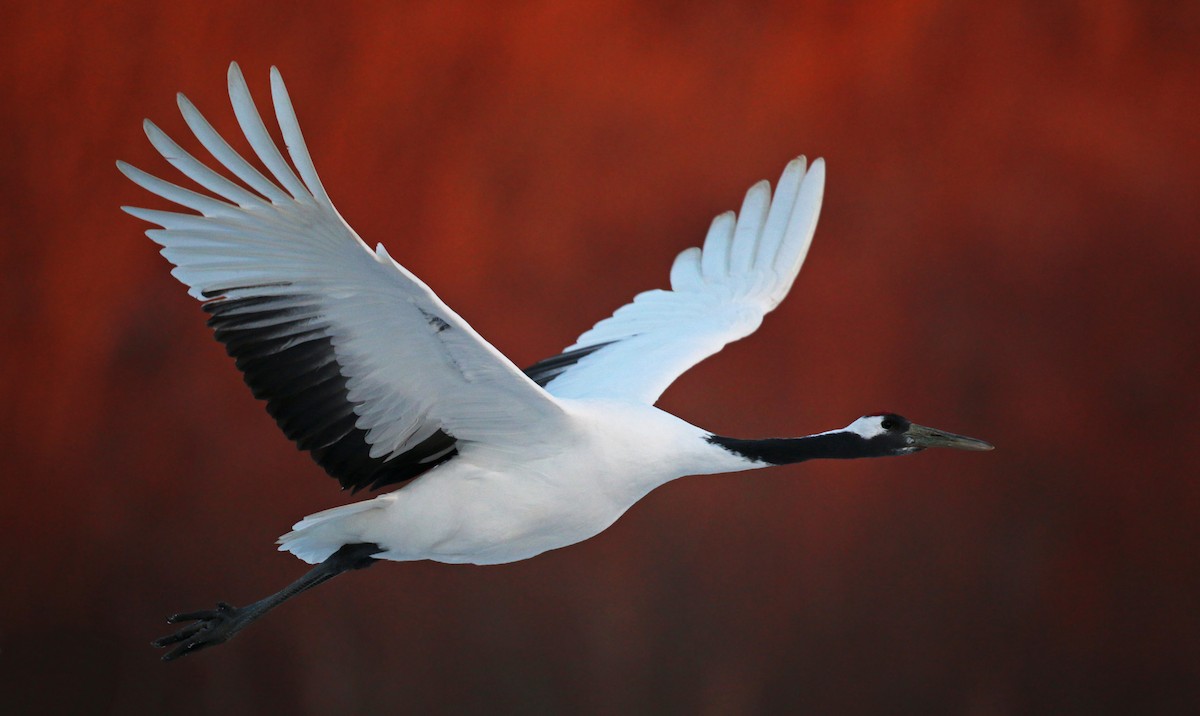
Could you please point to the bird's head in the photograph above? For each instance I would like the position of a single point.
(891, 434)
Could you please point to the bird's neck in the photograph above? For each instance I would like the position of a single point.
(837, 445)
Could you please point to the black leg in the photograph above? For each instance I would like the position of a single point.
(209, 628)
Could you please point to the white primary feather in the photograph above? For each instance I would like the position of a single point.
(718, 295)
(412, 365)
(280, 263)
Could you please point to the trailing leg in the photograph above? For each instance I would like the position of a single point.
(217, 626)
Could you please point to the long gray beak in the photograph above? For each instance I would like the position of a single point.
(923, 437)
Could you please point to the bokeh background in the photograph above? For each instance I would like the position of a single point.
(1010, 248)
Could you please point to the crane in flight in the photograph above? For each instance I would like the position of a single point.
(364, 367)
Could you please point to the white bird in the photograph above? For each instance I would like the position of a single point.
(362, 365)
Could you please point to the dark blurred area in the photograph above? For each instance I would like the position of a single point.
(1010, 248)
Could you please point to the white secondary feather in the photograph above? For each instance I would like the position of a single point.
(412, 365)
(718, 295)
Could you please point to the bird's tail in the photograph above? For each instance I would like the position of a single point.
(316, 537)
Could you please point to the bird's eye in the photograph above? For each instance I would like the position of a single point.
(888, 424)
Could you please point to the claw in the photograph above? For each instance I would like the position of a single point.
(185, 649)
(192, 616)
(180, 635)
(208, 628)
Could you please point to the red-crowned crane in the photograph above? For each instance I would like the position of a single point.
(362, 365)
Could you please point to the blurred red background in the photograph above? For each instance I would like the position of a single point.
(1009, 249)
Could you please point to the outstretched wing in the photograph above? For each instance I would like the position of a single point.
(359, 361)
(718, 294)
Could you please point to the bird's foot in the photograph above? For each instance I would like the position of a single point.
(208, 628)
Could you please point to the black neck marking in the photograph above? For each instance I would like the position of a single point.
(839, 445)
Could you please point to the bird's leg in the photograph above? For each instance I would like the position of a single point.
(209, 628)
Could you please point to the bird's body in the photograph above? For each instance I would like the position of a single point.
(362, 365)
(489, 507)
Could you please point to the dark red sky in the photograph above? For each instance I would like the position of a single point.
(1010, 248)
